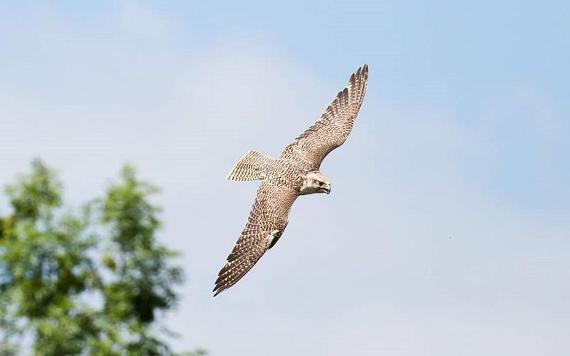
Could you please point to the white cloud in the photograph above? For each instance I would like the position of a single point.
(409, 255)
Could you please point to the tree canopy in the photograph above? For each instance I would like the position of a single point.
(94, 280)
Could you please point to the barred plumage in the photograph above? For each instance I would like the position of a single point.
(251, 166)
(294, 173)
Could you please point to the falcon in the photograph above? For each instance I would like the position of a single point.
(295, 172)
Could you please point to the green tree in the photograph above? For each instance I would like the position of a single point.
(82, 282)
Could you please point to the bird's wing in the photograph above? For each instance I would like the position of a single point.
(267, 221)
(334, 126)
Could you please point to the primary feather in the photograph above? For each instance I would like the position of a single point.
(294, 173)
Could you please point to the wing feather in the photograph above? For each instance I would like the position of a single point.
(266, 222)
(334, 126)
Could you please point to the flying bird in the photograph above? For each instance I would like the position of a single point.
(295, 172)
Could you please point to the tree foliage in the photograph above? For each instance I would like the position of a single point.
(91, 281)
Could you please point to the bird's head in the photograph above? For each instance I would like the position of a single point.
(315, 182)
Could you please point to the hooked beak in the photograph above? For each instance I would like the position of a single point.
(327, 189)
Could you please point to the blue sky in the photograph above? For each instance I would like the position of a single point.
(447, 230)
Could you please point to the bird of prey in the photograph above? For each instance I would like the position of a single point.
(295, 172)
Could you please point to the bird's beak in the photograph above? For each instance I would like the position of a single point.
(325, 189)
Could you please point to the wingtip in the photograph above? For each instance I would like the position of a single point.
(361, 71)
(217, 290)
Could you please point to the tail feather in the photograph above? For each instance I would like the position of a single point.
(252, 166)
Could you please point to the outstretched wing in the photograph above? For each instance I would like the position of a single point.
(267, 221)
(334, 126)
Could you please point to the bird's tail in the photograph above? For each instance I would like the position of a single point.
(252, 166)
